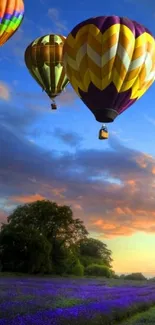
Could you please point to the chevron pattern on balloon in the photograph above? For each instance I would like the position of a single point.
(114, 56)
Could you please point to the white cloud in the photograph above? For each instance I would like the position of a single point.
(150, 119)
(53, 13)
(54, 16)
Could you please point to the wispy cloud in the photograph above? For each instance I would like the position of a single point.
(150, 119)
(16, 119)
(16, 46)
(30, 30)
(118, 135)
(59, 24)
(72, 139)
(67, 96)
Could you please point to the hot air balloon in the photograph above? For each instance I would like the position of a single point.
(110, 63)
(43, 58)
(11, 16)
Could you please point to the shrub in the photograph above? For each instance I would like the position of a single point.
(98, 270)
(135, 276)
(78, 269)
(89, 260)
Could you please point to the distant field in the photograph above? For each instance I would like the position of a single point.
(65, 301)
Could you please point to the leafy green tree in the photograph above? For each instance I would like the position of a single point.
(24, 250)
(52, 220)
(94, 251)
(40, 236)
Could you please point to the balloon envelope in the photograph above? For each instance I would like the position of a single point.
(110, 62)
(11, 16)
(43, 58)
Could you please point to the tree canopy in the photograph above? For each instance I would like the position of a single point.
(94, 251)
(45, 237)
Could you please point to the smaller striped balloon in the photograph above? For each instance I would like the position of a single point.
(43, 58)
(11, 16)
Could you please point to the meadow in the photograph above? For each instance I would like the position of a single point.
(65, 301)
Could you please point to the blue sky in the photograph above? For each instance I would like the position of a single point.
(61, 18)
(108, 184)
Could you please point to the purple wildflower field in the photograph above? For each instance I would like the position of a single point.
(63, 301)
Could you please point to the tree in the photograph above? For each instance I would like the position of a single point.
(53, 220)
(93, 251)
(24, 250)
(39, 226)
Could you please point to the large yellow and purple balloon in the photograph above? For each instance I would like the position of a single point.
(110, 62)
(11, 16)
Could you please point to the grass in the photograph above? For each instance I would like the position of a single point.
(144, 318)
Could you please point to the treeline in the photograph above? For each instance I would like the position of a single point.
(44, 237)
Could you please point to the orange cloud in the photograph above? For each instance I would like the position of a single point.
(51, 191)
(119, 211)
(27, 199)
(131, 182)
(58, 192)
(5, 93)
(131, 221)
(104, 224)
(111, 191)
(67, 96)
(119, 219)
(78, 207)
(3, 216)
